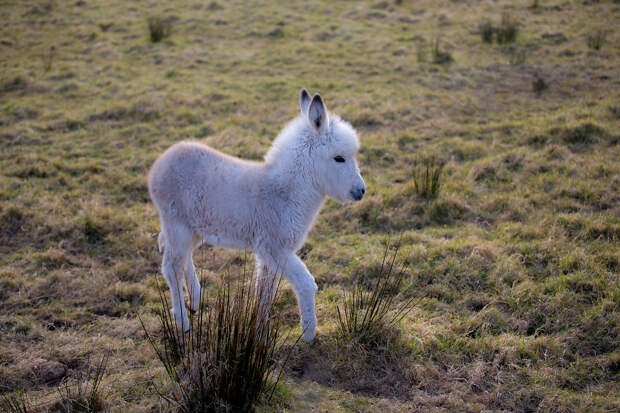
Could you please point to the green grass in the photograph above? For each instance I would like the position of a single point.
(516, 257)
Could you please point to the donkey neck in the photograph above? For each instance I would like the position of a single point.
(305, 198)
(296, 196)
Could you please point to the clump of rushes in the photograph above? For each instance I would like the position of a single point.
(48, 59)
(596, 39)
(486, 30)
(159, 28)
(427, 177)
(440, 57)
(15, 403)
(364, 317)
(539, 84)
(85, 394)
(507, 30)
(228, 359)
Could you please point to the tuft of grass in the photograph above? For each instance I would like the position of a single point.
(48, 59)
(85, 394)
(427, 178)
(93, 231)
(440, 57)
(11, 221)
(159, 28)
(596, 39)
(421, 53)
(486, 29)
(15, 403)
(507, 30)
(227, 360)
(539, 84)
(364, 317)
(17, 83)
(582, 135)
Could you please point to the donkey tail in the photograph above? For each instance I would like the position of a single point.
(161, 242)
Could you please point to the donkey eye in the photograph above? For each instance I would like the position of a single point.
(338, 158)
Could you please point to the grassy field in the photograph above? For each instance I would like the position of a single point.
(514, 265)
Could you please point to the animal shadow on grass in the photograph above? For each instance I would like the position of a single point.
(383, 371)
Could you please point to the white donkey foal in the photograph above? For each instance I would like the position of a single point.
(269, 207)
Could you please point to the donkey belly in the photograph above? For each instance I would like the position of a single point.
(221, 231)
(223, 240)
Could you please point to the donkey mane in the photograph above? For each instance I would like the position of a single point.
(298, 134)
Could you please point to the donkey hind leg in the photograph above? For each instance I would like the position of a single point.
(178, 242)
(266, 287)
(267, 279)
(191, 280)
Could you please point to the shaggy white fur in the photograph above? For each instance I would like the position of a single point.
(269, 207)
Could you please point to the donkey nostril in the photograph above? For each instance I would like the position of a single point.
(363, 191)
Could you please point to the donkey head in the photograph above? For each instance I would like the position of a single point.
(334, 154)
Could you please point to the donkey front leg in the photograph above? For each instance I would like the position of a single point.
(172, 268)
(305, 288)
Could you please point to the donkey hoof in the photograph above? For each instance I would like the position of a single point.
(185, 325)
(308, 330)
(181, 321)
(194, 305)
(193, 308)
(308, 336)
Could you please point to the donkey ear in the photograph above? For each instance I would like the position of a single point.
(304, 100)
(317, 113)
